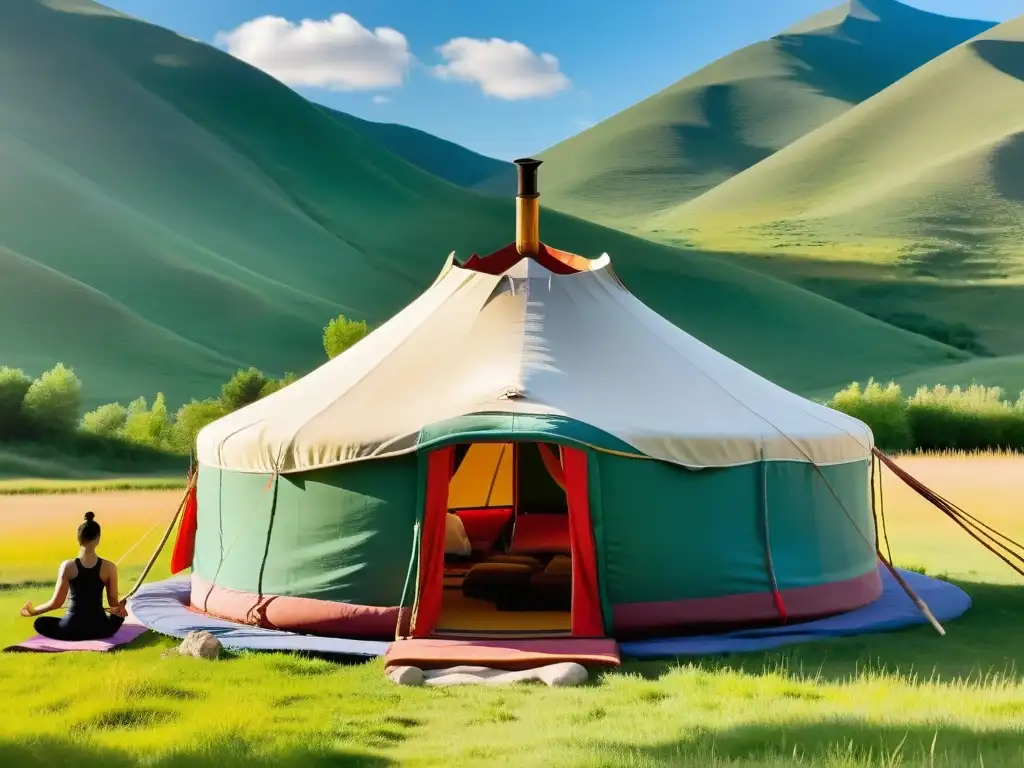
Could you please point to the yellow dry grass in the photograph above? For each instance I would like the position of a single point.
(39, 530)
(990, 488)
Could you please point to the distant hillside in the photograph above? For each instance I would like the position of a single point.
(740, 109)
(1004, 372)
(445, 159)
(913, 199)
(172, 213)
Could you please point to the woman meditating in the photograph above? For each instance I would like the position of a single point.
(85, 578)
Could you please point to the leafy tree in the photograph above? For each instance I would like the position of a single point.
(137, 406)
(191, 418)
(14, 385)
(342, 333)
(273, 385)
(147, 426)
(106, 421)
(52, 402)
(245, 387)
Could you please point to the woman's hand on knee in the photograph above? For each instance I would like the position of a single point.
(28, 610)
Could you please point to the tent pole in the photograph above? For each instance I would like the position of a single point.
(921, 605)
(163, 540)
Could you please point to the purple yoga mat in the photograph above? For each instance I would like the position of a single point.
(40, 644)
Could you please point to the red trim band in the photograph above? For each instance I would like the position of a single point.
(294, 614)
(503, 259)
(801, 603)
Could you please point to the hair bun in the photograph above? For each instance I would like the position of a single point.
(89, 516)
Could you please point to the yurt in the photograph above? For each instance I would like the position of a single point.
(529, 451)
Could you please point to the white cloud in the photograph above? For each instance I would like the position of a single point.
(337, 53)
(506, 70)
(380, 98)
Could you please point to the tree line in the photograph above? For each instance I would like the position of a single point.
(47, 409)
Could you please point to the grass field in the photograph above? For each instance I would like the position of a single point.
(24, 464)
(905, 699)
(42, 528)
(48, 487)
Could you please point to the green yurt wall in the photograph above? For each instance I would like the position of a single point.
(342, 533)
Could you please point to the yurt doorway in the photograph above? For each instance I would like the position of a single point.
(518, 548)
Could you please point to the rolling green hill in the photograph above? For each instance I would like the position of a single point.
(738, 110)
(169, 213)
(913, 200)
(440, 157)
(1004, 372)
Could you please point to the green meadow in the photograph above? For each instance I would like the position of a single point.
(910, 698)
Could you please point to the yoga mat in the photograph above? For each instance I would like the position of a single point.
(892, 610)
(163, 607)
(40, 644)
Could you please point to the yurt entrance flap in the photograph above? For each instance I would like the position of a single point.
(506, 548)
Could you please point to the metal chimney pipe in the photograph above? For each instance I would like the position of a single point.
(527, 207)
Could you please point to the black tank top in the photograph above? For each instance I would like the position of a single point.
(86, 594)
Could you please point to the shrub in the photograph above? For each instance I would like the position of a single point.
(191, 418)
(242, 389)
(882, 409)
(14, 385)
(342, 333)
(971, 419)
(52, 402)
(106, 421)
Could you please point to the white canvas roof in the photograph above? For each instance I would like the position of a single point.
(577, 345)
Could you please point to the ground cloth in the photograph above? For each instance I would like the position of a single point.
(162, 607)
(893, 610)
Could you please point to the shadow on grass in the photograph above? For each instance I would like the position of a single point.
(984, 642)
(21, 586)
(839, 742)
(50, 752)
(149, 639)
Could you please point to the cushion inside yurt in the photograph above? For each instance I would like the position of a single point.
(488, 581)
(541, 533)
(484, 526)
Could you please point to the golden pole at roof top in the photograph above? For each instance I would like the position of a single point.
(527, 207)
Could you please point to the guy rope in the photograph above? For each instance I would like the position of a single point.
(999, 544)
(192, 477)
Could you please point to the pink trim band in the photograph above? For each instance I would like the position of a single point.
(801, 603)
(294, 614)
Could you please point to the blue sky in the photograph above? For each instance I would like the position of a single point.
(609, 54)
